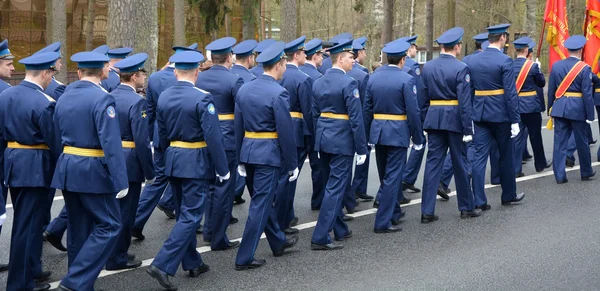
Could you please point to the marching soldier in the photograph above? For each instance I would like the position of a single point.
(360, 54)
(447, 85)
(91, 171)
(265, 147)
(192, 141)
(495, 115)
(339, 135)
(30, 145)
(391, 120)
(260, 47)
(56, 88)
(113, 79)
(571, 105)
(6, 70)
(133, 122)
(327, 62)
(479, 40)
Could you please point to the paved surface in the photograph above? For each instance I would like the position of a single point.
(550, 242)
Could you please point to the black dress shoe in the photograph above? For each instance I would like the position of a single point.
(548, 165)
(131, 264)
(484, 207)
(238, 200)
(569, 163)
(469, 214)
(137, 234)
(41, 287)
(443, 195)
(392, 228)
(257, 263)
(327, 247)
(294, 221)
(347, 218)
(54, 241)
(233, 220)
(200, 270)
(290, 231)
(350, 210)
(63, 288)
(520, 174)
(397, 222)
(518, 198)
(289, 243)
(442, 190)
(130, 257)
(587, 178)
(3, 267)
(527, 157)
(410, 187)
(428, 218)
(161, 277)
(496, 183)
(365, 197)
(404, 201)
(232, 245)
(375, 204)
(563, 181)
(168, 212)
(593, 141)
(43, 277)
(347, 236)
(200, 229)
(315, 208)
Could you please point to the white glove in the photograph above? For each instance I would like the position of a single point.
(360, 159)
(514, 130)
(424, 133)
(242, 170)
(370, 145)
(473, 127)
(589, 121)
(225, 178)
(537, 61)
(417, 147)
(318, 155)
(151, 181)
(467, 138)
(122, 193)
(2, 219)
(293, 175)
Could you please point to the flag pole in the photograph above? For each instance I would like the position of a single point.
(539, 49)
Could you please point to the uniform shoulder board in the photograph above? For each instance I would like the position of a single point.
(47, 96)
(205, 92)
(59, 82)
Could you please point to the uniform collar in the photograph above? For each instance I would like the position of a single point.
(310, 64)
(521, 57)
(129, 86)
(186, 83)
(266, 77)
(447, 55)
(219, 67)
(575, 58)
(34, 83)
(240, 66)
(292, 65)
(334, 68)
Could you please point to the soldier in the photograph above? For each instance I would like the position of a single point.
(360, 53)
(265, 147)
(391, 119)
(30, 143)
(131, 111)
(113, 79)
(479, 40)
(91, 171)
(571, 105)
(339, 135)
(56, 88)
(495, 115)
(6, 70)
(447, 85)
(192, 141)
(327, 62)
(223, 86)
(260, 47)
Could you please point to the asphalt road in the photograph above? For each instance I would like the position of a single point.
(549, 242)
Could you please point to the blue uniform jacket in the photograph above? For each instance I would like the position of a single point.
(573, 108)
(392, 91)
(186, 113)
(337, 93)
(311, 71)
(133, 122)
(257, 70)
(493, 70)
(262, 106)
(55, 89)
(26, 115)
(89, 123)
(299, 87)
(415, 71)
(468, 57)
(243, 73)
(157, 83)
(535, 80)
(596, 84)
(325, 65)
(112, 82)
(447, 78)
(223, 85)
(3, 86)
(360, 67)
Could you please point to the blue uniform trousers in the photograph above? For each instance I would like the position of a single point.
(525, 132)
(390, 165)
(239, 186)
(361, 177)
(318, 183)
(485, 134)
(180, 247)
(571, 148)
(439, 142)
(26, 239)
(530, 123)
(92, 233)
(494, 163)
(448, 172)
(220, 205)
(128, 206)
(563, 128)
(58, 225)
(338, 169)
(46, 205)
(5, 197)
(152, 193)
(598, 113)
(261, 214)
(413, 166)
(286, 192)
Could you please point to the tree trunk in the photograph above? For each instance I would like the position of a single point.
(248, 19)
(388, 21)
(451, 10)
(270, 25)
(412, 17)
(530, 23)
(288, 23)
(429, 29)
(262, 20)
(89, 29)
(298, 18)
(146, 30)
(179, 23)
(59, 33)
(122, 22)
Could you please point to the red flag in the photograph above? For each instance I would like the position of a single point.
(558, 29)
(591, 51)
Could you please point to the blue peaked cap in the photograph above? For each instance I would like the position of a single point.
(90, 60)
(132, 64)
(245, 48)
(40, 61)
(272, 54)
(186, 60)
(221, 46)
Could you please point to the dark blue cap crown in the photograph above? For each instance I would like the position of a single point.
(132, 63)
(245, 48)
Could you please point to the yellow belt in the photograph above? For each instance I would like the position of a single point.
(260, 135)
(528, 94)
(296, 114)
(188, 145)
(334, 115)
(389, 116)
(16, 145)
(226, 116)
(573, 94)
(95, 153)
(597, 90)
(443, 102)
(489, 92)
(128, 144)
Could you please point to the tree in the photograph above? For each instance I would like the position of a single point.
(146, 30)
(388, 21)
(429, 27)
(249, 18)
(121, 29)
(89, 29)
(412, 17)
(288, 21)
(58, 31)
(451, 10)
(179, 23)
(213, 12)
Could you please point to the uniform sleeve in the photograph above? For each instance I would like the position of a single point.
(109, 134)
(46, 125)
(422, 97)
(588, 92)
(60, 89)
(552, 86)
(151, 108)
(163, 137)
(413, 112)
(213, 135)
(236, 88)
(510, 91)
(306, 97)
(238, 125)
(538, 77)
(357, 123)
(316, 111)
(465, 94)
(284, 124)
(368, 111)
(425, 107)
(138, 118)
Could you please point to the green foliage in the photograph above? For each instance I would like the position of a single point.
(213, 12)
